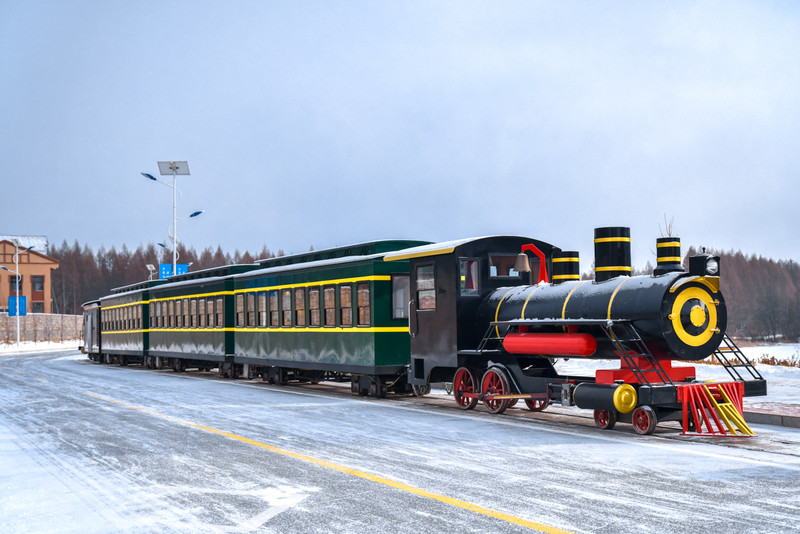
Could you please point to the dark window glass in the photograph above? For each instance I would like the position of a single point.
(469, 277)
(313, 306)
(300, 306)
(329, 303)
(426, 288)
(346, 305)
(251, 309)
(240, 310)
(286, 307)
(274, 312)
(364, 304)
(38, 283)
(401, 295)
(262, 309)
(503, 265)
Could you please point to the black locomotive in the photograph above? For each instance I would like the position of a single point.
(488, 315)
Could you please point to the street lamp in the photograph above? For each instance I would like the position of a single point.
(173, 168)
(16, 273)
(175, 254)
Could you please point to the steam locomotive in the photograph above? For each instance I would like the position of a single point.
(488, 315)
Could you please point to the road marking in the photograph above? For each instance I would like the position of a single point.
(39, 379)
(350, 471)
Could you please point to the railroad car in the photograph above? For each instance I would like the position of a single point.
(487, 315)
(124, 329)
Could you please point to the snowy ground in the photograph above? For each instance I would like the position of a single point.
(88, 448)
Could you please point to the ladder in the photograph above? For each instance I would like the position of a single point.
(730, 352)
(631, 348)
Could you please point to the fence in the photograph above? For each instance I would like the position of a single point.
(41, 327)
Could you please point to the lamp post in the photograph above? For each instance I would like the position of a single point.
(16, 273)
(174, 168)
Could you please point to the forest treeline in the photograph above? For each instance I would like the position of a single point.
(84, 275)
(762, 295)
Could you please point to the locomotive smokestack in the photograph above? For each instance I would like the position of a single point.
(612, 252)
(566, 266)
(668, 254)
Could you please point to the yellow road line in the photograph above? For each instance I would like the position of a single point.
(350, 471)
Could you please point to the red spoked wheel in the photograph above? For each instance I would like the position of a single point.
(495, 382)
(537, 405)
(644, 420)
(465, 382)
(605, 419)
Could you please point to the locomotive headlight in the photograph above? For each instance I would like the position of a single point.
(704, 265)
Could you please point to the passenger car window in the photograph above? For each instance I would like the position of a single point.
(401, 295)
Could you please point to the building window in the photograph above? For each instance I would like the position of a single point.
(300, 306)
(37, 307)
(469, 277)
(401, 295)
(38, 283)
(363, 304)
(313, 305)
(12, 284)
(329, 303)
(346, 305)
(286, 307)
(426, 288)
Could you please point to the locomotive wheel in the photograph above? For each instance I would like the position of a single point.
(644, 420)
(512, 402)
(537, 405)
(464, 382)
(605, 419)
(495, 382)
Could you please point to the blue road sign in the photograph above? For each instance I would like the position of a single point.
(12, 306)
(165, 270)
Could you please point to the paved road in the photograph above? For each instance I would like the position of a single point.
(86, 447)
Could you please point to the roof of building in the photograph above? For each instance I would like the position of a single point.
(38, 242)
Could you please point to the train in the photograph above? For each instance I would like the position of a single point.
(488, 317)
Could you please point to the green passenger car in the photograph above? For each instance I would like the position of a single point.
(345, 314)
(124, 323)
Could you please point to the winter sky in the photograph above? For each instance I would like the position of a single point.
(328, 123)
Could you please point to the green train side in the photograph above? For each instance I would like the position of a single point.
(342, 312)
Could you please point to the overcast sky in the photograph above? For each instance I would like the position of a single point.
(328, 123)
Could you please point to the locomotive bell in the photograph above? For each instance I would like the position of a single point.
(523, 265)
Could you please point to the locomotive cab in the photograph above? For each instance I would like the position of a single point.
(448, 282)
